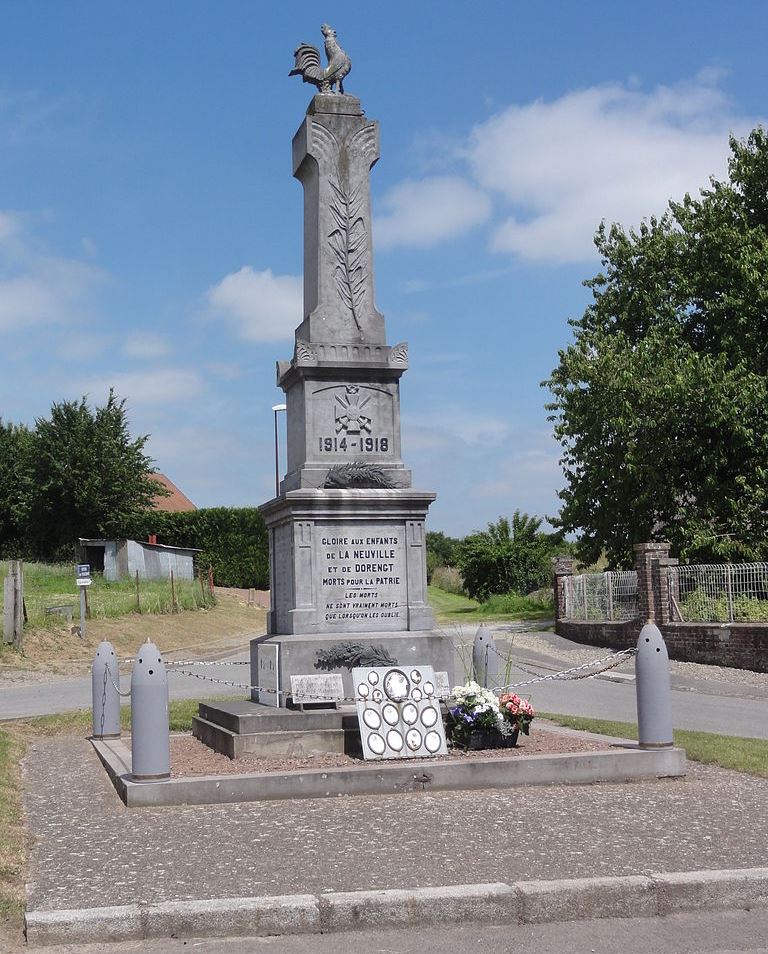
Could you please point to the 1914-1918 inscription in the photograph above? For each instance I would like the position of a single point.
(362, 578)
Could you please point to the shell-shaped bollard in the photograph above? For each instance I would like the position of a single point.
(105, 689)
(485, 659)
(654, 692)
(150, 743)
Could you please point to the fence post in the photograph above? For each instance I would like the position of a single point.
(649, 586)
(105, 690)
(13, 605)
(584, 594)
(138, 594)
(210, 580)
(150, 742)
(609, 584)
(173, 595)
(562, 568)
(729, 589)
(653, 690)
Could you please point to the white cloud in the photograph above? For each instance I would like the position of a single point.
(608, 152)
(420, 213)
(146, 344)
(452, 423)
(37, 288)
(259, 305)
(159, 386)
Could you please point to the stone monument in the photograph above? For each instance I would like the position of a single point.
(346, 531)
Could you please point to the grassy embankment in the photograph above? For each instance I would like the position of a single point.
(455, 608)
(198, 622)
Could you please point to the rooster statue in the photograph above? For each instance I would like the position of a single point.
(308, 63)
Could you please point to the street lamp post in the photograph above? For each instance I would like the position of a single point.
(276, 408)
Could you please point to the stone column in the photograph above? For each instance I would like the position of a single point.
(653, 604)
(562, 567)
(333, 152)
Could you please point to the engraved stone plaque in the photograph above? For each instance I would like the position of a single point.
(362, 584)
(325, 687)
(399, 712)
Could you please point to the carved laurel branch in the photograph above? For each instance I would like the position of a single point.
(349, 243)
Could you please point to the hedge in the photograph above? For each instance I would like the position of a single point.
(233, 541)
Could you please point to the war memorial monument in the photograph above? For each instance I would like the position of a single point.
(346, 531)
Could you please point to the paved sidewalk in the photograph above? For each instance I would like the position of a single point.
(90, 851)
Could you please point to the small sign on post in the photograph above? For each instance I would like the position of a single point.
(83, 579)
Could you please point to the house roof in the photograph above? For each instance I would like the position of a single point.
(176, 502)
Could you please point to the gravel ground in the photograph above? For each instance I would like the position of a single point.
(190, 757)
(89, 850)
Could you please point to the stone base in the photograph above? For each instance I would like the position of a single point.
(297, 654)
(245, 729)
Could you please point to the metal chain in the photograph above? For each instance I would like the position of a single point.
(566, 674)
(195, 662)
(107, 672)
(227, 682)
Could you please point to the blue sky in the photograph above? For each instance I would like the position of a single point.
(150, 229)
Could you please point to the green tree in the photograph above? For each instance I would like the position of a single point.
(441, 551)
(661, 401)
(16, 487)
(90, 477)
(507, 558)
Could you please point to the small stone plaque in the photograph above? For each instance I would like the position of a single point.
(443, 686)
(327, 687)
(399, 712)
(268, 675)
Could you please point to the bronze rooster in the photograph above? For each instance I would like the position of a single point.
(308, 66)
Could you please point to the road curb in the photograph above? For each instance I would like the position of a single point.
(527, 902)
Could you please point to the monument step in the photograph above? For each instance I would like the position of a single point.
(244, 718)
(297, 743)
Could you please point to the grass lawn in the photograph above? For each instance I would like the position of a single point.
(454, 608)
(727, 751)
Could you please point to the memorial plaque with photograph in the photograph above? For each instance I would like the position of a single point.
(399, 712)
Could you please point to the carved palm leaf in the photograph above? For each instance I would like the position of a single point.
(349, 243)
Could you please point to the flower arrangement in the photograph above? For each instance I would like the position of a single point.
(478, 718)
(475, 707)
(516, 711)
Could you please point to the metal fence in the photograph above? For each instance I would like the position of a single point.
(601, 596)
(718, 592)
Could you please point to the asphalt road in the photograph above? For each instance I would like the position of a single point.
(696, 704)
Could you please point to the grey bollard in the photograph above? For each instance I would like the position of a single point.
(654, 693)
(105, 689)
(150, 743)
(485, 659)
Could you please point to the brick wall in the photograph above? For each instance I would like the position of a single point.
(740, 645)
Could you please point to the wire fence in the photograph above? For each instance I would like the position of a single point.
(718, 592)
(601, 596)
